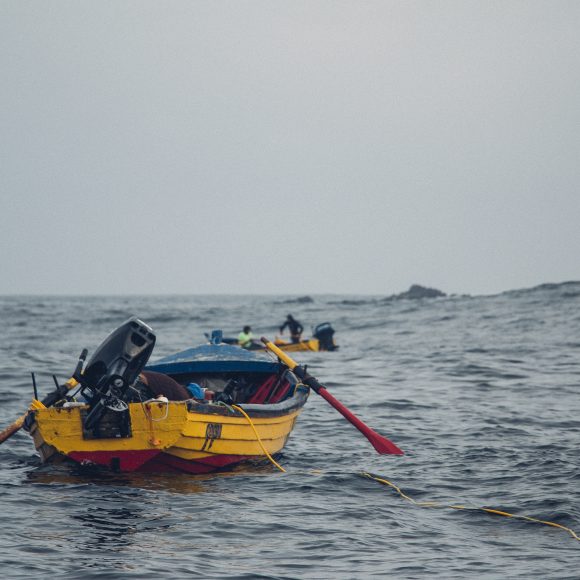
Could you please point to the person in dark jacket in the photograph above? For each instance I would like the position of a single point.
(294, 327)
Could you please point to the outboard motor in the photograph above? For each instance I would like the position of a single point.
(113, 367)
(324, 333)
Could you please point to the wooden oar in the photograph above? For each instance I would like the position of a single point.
(48, 401)
(16, 426)
(380, 443)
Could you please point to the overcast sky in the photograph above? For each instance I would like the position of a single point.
(294, 147)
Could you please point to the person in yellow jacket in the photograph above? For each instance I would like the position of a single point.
(245, 337)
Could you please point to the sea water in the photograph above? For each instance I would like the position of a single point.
(482, 393)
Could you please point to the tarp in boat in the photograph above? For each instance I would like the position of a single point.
(215, 358)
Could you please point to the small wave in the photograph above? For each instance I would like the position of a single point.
(299, 300)
(352, 302)
(467, 370)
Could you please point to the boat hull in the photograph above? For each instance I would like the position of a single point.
(169, 437)
(308, 344)
(312, 344)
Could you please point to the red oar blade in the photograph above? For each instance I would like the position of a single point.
(381, 444)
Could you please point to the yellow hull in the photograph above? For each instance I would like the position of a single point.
(176, 435)
(311, 344)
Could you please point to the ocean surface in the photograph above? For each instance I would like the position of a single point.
(482, 393)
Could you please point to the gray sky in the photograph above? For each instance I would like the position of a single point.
(288, 147)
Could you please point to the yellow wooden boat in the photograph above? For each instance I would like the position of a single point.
(322, 340)
(312, 344)
(238, 406)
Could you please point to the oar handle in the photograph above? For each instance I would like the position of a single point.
(17, 425)
(301, 372)
(50, 399)
(11, 429)
(289, 362)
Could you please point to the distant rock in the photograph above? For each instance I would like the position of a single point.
(569, 289)
(304, 300)
(416, 292)
(299, 300)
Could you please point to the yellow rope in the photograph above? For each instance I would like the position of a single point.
(462, 507)
(258, 437)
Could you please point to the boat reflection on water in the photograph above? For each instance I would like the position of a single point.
(182, 483)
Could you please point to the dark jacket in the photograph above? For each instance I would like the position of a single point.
(294, 326)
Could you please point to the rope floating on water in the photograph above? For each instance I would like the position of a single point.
(435, 504)
(432, 504)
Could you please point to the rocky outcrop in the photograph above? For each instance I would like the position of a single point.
(416, 292)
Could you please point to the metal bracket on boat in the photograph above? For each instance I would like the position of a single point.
(216, 337)
(115, 404)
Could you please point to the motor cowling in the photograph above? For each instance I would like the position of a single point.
(123, 353)
(324, 333)
(114, 366)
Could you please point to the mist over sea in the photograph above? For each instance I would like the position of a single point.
(482, 393)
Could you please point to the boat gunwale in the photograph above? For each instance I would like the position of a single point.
(254, 410)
